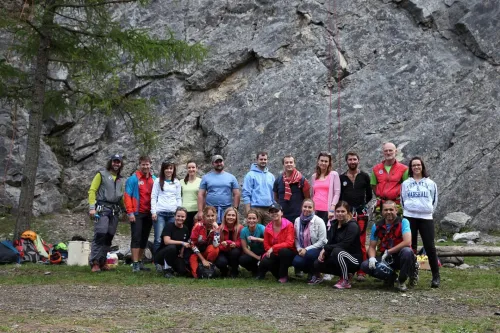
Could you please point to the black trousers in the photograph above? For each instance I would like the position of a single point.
(277, 264)
(339, 263)
(249, 263)
(170, 254)
(189, 223)
(426, 230)
(228, 260)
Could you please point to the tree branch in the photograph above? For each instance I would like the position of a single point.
(69, 17)
(67, 61)
(66, 83)
(34, 27)
(85, 33)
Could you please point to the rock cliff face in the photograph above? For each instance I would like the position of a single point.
(423, 74)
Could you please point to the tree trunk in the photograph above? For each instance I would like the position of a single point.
(467, 251)
(25, 207)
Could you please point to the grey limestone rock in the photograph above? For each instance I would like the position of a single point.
(280, 75)
(454, 222)
(466, 237)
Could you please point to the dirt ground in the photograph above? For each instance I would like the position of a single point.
(198, 307)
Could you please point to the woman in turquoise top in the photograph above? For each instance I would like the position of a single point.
(252, 242)
(190, 185)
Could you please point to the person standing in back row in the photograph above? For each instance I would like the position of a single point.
(419, 198)
(357, 192)
(290, 189)
(258, 185)
(325, 185)
(105, 198)
(387, 177)
(218, 189)
(137, 200)
(190, 187)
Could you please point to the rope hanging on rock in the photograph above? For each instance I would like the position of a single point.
(335, 39)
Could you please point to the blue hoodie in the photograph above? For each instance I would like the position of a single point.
(258, 187)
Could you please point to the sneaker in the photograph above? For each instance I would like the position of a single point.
(315, 280)
(135, 267)
(143, 268)
(283, 280)
(342, 284)
(402, 286)
(361, 278)
(159, 268)
(260, 276)
(95, 268)
(327, 277)
(299, 274)
(168, 274)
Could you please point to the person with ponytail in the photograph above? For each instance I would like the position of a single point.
(205, 241)
(342, 255)
(190, 185)
(325, 187)
(252, 242)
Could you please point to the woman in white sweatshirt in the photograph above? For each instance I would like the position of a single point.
(165, 198)
(419, 197)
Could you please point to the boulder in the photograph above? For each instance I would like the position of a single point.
(452, 260)
(454, 222)
(466, 237)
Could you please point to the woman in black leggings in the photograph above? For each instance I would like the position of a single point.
(419, 197)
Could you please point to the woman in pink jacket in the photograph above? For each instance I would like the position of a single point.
(325, 187)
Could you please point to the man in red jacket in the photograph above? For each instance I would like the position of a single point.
(387, 177)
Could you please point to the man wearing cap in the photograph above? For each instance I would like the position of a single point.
(137, 200)
(105, 196)
(258, 188)
(218, 189)
(387, 177)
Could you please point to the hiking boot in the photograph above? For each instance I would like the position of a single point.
(158, 268)
(413, 274)
(327, 277)
(342, 284)
(402, 286)
(361, 278)
(135, 267)
(389, 283)
(95, 267)
(143, 268)
(315, 280)
(168, 273)
(283, 280)
(260, 276)
(436, 279)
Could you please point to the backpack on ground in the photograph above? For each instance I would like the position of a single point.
(27, 250)
(206, 272)
(8, 253)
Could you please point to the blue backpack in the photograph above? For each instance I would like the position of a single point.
(8, 253)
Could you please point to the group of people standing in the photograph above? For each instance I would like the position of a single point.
(319, 226)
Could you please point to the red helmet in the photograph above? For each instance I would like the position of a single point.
(55, 258)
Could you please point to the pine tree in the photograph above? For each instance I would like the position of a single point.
(81, 39)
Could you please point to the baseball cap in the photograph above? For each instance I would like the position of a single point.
(275, 206)
(217, 157)
(116, 157)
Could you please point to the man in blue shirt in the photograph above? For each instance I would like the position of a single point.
(258, 188)
(218, 189)
(392, 234)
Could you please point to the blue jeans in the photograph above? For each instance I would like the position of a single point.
(220, 212)
(306, 263)
(162, 219)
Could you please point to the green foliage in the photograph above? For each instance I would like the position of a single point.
(92, 61)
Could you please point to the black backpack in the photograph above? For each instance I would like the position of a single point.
(206, 272)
